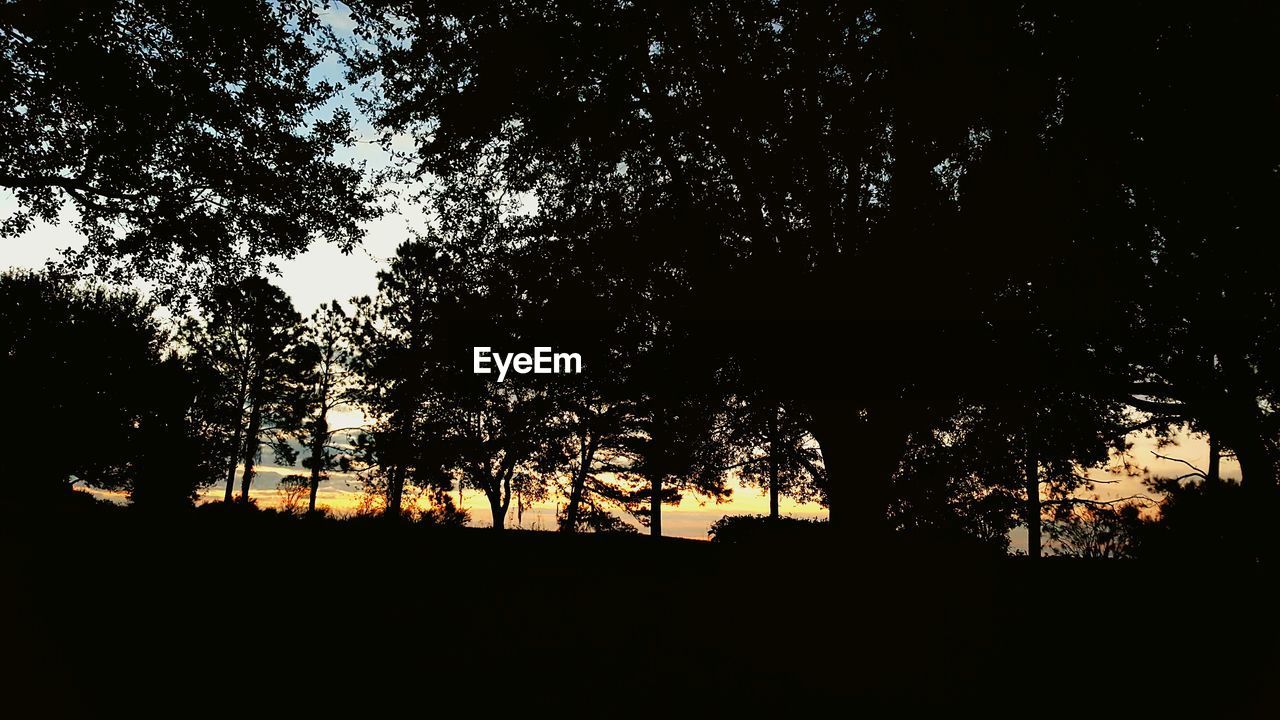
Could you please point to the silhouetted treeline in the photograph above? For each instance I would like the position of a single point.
(929, 265)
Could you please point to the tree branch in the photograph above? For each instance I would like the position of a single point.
(1200, 472)
(72, 185)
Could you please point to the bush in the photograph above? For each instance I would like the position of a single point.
(762, 528)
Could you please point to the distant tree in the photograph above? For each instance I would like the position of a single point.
(577, 308)
(1030, 410)
(586, 429)
(1098, 531)
(245, 340)
(775, 451)
(645, 422)
(582, 452)
(93, 398)
(488, 433)
(1017, 457)
(291, 490)
(436, 421)
(391, 340)
(680, 444)
(184, 134)
(323, 384)
(441, 512)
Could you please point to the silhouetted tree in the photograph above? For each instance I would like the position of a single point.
(323, 384)
(1098, 531)
(489, 431)
(589, 426)
(1197, 518)
(1182, 226)
(93, 400)
(1021, 455)
(775, 450)
(245, 339)
(573, 306)
(390, 343)
(671, 455)
(175, 455)
(291, 490)
(440, 421)
(184, 134)
(680, 443)
(811, 149)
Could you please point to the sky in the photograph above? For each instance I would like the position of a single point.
(323, 273)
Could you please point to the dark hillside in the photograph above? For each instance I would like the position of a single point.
(110, 613)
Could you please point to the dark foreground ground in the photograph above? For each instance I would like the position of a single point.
(111, 614)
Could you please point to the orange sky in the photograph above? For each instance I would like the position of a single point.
(692, 517)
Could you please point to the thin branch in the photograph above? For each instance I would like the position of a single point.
(1154, 406)
(1099, 503)
(1179, 460)
(72, 185)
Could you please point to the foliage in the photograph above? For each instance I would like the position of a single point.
(436, 420)
(773, 446)
(752, 170)
(745, 529)
(100, 403)
(168, 127)
(1198, 520)
(441, 512)
(323, 359)
(291, 491)
(1092, 530)
(930, 265)
(244, 345)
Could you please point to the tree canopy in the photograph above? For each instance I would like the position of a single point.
(180, 135)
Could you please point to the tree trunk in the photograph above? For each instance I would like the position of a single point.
(234, 463)
(315, 486)
(860, 458)
(250, 450)
(1257, 465)
(1258, 482)
(231, 469)
(1215, 459)
(1250, 438)
(499, 512)
(655, 506)
(576, 490)
(1032, 514)
(318, 442)
(773, 466)
(773, 490)
(395, 490)
(235, 443)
